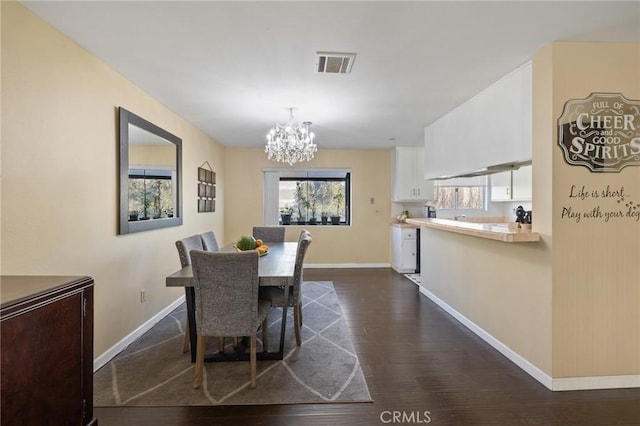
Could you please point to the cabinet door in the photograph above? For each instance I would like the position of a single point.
(396, 247)
(409, 182)
(42, 350)
(403, 249)
(409, 255)
(501, 186)
(404, 174)
(522, 184)
(451, 142)
(424, 188)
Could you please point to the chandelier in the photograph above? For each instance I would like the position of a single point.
(290, 143)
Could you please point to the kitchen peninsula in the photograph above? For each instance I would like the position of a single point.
(494, 231)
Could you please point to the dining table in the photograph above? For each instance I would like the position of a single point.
(275, 268)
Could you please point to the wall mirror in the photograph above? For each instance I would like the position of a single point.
(150, 175)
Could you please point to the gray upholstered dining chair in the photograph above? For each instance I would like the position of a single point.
(227, 304)
(294, 299)
(185, 246)
(273, 234)
(209, 242)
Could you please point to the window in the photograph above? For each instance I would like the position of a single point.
(461, 194)
(150, 194)
(308, 197)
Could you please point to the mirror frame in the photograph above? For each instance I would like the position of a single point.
(126, 226)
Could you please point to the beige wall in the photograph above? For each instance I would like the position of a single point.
(504, 288)
(366, 241)
(152, 155)
(59, 171)
(596, 273)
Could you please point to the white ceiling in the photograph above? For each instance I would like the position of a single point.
(234, 68)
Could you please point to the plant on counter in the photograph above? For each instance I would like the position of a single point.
(285, 214)
(338, 198)
(302, 203)
(324, 217)
(313, 206)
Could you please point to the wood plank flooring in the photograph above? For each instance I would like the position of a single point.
(420, 363)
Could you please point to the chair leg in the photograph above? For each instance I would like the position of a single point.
(296, 323)
(185, 344)
(221, 344)
(265, 336)
(197, 380)
(253, 358)
(300, 312)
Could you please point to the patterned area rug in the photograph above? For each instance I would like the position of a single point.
(153, 371)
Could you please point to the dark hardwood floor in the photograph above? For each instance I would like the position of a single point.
(420, 363)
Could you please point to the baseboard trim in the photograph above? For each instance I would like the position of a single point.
(131, 337)
(554, 384)
(596, 382)
(346, 265)
(517, 359)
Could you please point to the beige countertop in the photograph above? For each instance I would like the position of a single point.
(406, 225)
(493, 231)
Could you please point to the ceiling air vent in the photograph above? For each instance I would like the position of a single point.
(335, 63)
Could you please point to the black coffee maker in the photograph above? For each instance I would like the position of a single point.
(431, 212)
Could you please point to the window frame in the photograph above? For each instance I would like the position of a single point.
(458, 183)
(272, 196)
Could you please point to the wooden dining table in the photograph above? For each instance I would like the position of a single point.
(274, 269)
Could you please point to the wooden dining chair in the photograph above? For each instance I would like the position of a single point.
(227, 304)
(294, 299)
(273, 234)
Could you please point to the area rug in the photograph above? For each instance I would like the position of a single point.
(153, 371)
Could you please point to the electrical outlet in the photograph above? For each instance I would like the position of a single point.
(143, 296)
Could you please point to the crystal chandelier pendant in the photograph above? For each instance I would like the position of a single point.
(290, 143)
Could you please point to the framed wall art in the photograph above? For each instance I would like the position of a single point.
(206, 189)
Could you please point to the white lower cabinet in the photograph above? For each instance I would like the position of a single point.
(404, 249)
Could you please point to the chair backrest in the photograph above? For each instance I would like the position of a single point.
(273, 234)
(302, 234)
(185, 246)
(209, 242)
(226, 290)
(303, 244)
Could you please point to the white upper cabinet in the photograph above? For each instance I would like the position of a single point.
(492, 128)
(501, 186)
(514, 185)
(522, 184)
(409, 184)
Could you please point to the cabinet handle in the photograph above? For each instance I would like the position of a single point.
(418, 191)
(508, 189)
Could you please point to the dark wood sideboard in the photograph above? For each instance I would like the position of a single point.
(46, 349)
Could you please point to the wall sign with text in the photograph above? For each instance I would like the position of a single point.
(601, 132)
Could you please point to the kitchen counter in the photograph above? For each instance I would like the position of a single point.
(405, 224)
(493, 231)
